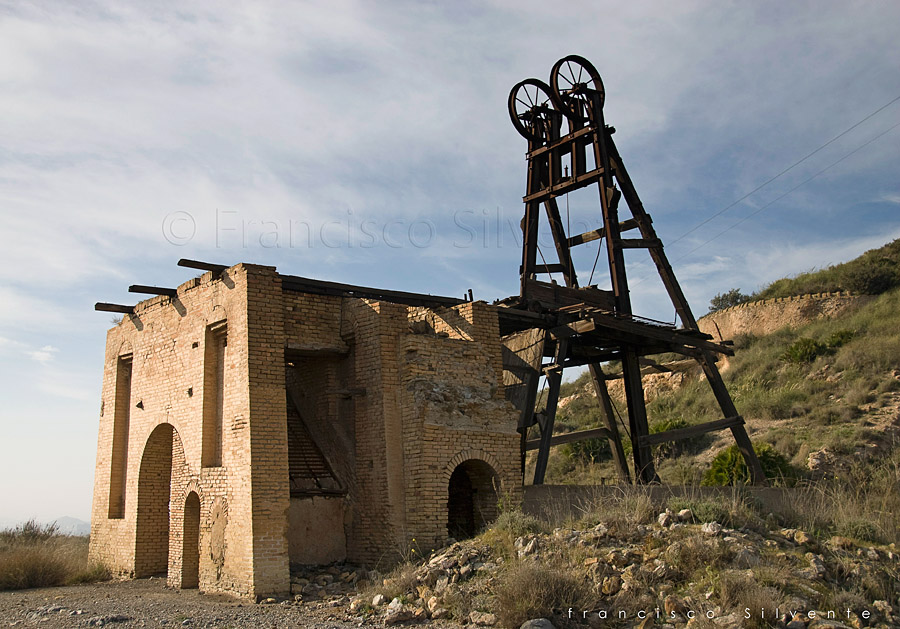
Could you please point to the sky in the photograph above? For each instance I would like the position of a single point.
(370, 143)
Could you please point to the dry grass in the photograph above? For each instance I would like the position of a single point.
(530, 589)
(864, 506)
(34, 555)
(736, 591)
(621, 510)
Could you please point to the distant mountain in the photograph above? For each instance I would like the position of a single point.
(73, 526)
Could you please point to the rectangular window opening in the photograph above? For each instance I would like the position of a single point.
(214, 394)
(121, 419)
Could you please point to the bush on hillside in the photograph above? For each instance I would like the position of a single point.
(587, 450)
(729, 468)
(806, 350)
(871, 280)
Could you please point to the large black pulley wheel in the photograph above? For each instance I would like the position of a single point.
(576, 86)
(531, 109)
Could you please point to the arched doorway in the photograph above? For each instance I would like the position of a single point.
(471, 498)
(151, 552)
(190, 550)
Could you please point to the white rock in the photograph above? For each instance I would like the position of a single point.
(378, 600)
(537, 623)
(711, 528)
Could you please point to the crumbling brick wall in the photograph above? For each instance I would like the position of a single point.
(396, 397)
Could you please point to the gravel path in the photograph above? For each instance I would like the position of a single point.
(148, 603)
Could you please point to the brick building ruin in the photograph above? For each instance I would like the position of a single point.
(250, 420)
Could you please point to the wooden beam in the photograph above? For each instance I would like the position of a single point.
(628, 225)
(598, 379)
(554, 380)
(556, 296)
(153, 290)
(203, 266)
(690, 431)
(590, 236)
(645, 330)
(101, 306)
(570, 437)
(573, 183)
(640, 243)
(321, 287)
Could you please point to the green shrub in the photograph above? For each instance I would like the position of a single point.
(729, 468)
(675, 448)
(839, 338)
(804, 350)
(871, 280)
(586, 450)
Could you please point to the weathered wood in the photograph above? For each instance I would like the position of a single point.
(690, 431)
(573, 183)
(598, 379)
(203, 266)
(580, 239)
(570, 437)
(628, 225)
(554, 380)
(640, 243)
(561, 242)
(563, 142)
(607, 325)
(120, 308)
(642, 457)
(557, 296)
(153, 290)
(522, 353)
(320, 287)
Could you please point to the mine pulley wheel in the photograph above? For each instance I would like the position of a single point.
(577, 87)
(531, 109)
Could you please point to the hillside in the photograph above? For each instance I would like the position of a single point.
(824, 395)
(874, 272)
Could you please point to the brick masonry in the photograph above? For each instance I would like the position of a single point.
(193, 455)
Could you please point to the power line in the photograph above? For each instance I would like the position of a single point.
(802, 183)
(783, 172)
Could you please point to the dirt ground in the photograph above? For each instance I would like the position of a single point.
(148, 603)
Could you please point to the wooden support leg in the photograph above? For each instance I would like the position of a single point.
(644, 471)
(554, 380)
(615, 440)
(708, 362)
(526, 420)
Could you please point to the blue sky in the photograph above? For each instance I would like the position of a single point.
(371, 144)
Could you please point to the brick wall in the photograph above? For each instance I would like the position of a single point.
(396, 397)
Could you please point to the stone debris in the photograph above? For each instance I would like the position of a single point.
(537, 623)
(711, 528)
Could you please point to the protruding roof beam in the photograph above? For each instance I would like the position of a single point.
(152, 290)
(203, 266)
(120, 308)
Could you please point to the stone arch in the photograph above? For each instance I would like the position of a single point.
(190, 546)
(472, 493)
(151, 553)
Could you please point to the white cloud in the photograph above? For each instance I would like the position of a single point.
(43, 355)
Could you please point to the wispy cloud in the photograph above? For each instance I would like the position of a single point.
(43, 355)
